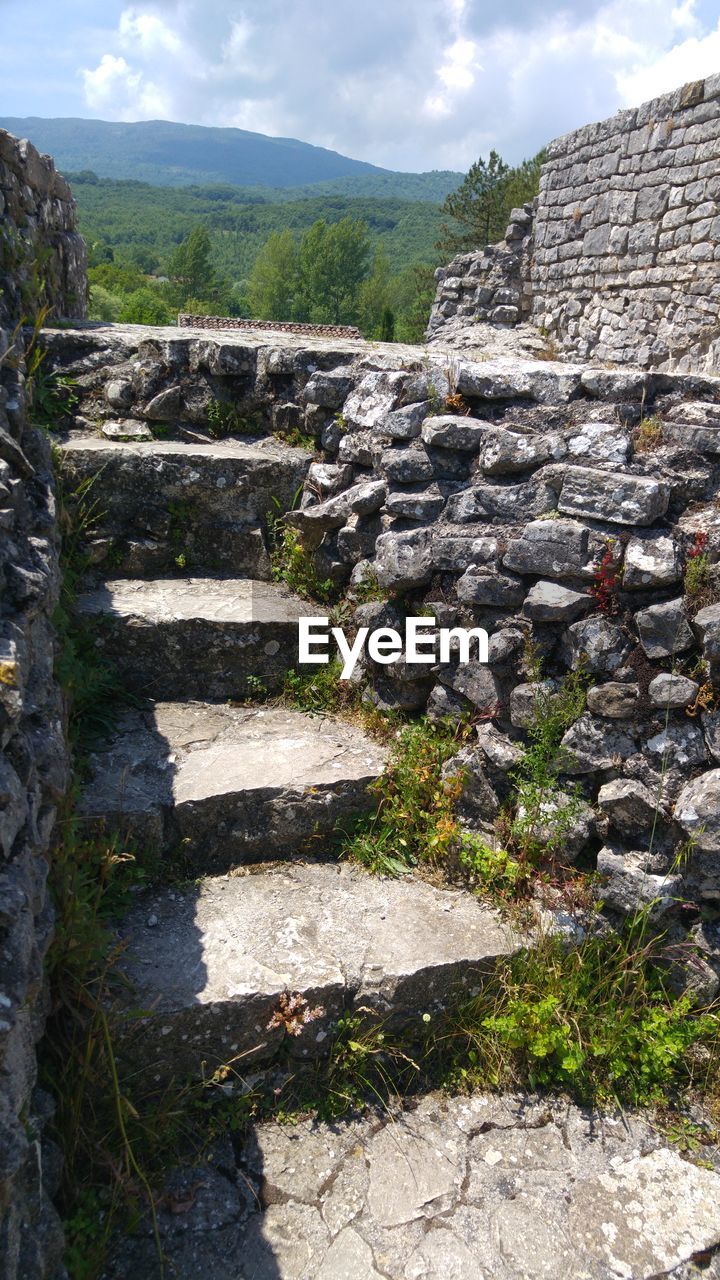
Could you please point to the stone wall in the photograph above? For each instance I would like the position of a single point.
(41, 263)
(491, 285)
(621, 263)
(531, 498)
(627, 235)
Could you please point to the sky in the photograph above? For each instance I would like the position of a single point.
(406, 84)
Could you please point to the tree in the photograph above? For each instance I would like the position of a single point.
(413, 292)
(477, 208)
(190, 268)
(272, 285)
(387, 325)
(144, 307)
(480, 208)
(332, 263)
(373, 295)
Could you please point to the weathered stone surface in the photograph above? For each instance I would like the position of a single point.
(629, 805)
(458, 1188)
(598, 645)
(505, 452)
(592, 744)
(207, 502)
(448, 432)
(664, 629)
(698, 811)
(233, 784)
(477, 803)
(651, 562)
(475, 682)
(217, 958)
(707, 626)
(403, 560)
(314, 522)
(180, 638)
(554, 548)
(629, 885)
(328, 390)
(405, 423)
(672, 691)
(615, 700)
(549, 602)
(484, 586)
(603, 495)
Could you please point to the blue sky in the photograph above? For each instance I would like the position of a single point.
(409, 84)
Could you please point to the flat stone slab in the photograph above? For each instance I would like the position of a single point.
(211, 962)
(198, 637)
(162, 502)
(469, 1188)
(232, 784)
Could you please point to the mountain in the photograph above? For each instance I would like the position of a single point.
(176, 155)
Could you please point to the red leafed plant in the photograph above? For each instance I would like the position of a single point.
(699, 546)
(606, 582)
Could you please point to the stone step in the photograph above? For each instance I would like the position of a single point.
(211, 638)
(162, 504)
(208, 965)
(480, 1187)
(230, 784)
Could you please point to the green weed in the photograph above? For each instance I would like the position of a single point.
(223, 419)
(293, 564)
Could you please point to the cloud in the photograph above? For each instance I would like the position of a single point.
(693, 59)
(115, 89)
(410, 84)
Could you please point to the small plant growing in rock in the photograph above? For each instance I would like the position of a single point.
(293, 1014)
(223, 419)
(607, 580)
(54, 397)
(648, 435)
(368, 589)
(293, 564)
(697, 568)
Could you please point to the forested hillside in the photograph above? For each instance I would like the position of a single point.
(146, 223)
(164, 153)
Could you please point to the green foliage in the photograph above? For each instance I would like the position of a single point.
(594, 1018)
(190, 267)
(293, 564)
(332, 263)
(478, 211)
(135, 229)
(273, 280)
(104, 305)
(223, 419)
(145, 306)
(319, 691)
(54, 396)
(542, 819)
(414, 821)
(492, 868)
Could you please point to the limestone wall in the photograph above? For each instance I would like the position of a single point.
(41, 263)
(621, 261)
(627, 235)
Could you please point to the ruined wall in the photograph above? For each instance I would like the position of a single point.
(41, 263)
(491, 285)
(627, 235)
(619, 258)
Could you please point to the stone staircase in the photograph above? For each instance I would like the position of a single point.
(249, 793)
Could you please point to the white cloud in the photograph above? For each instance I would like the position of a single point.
(115, 89)
(404, 83)
(692, 60)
